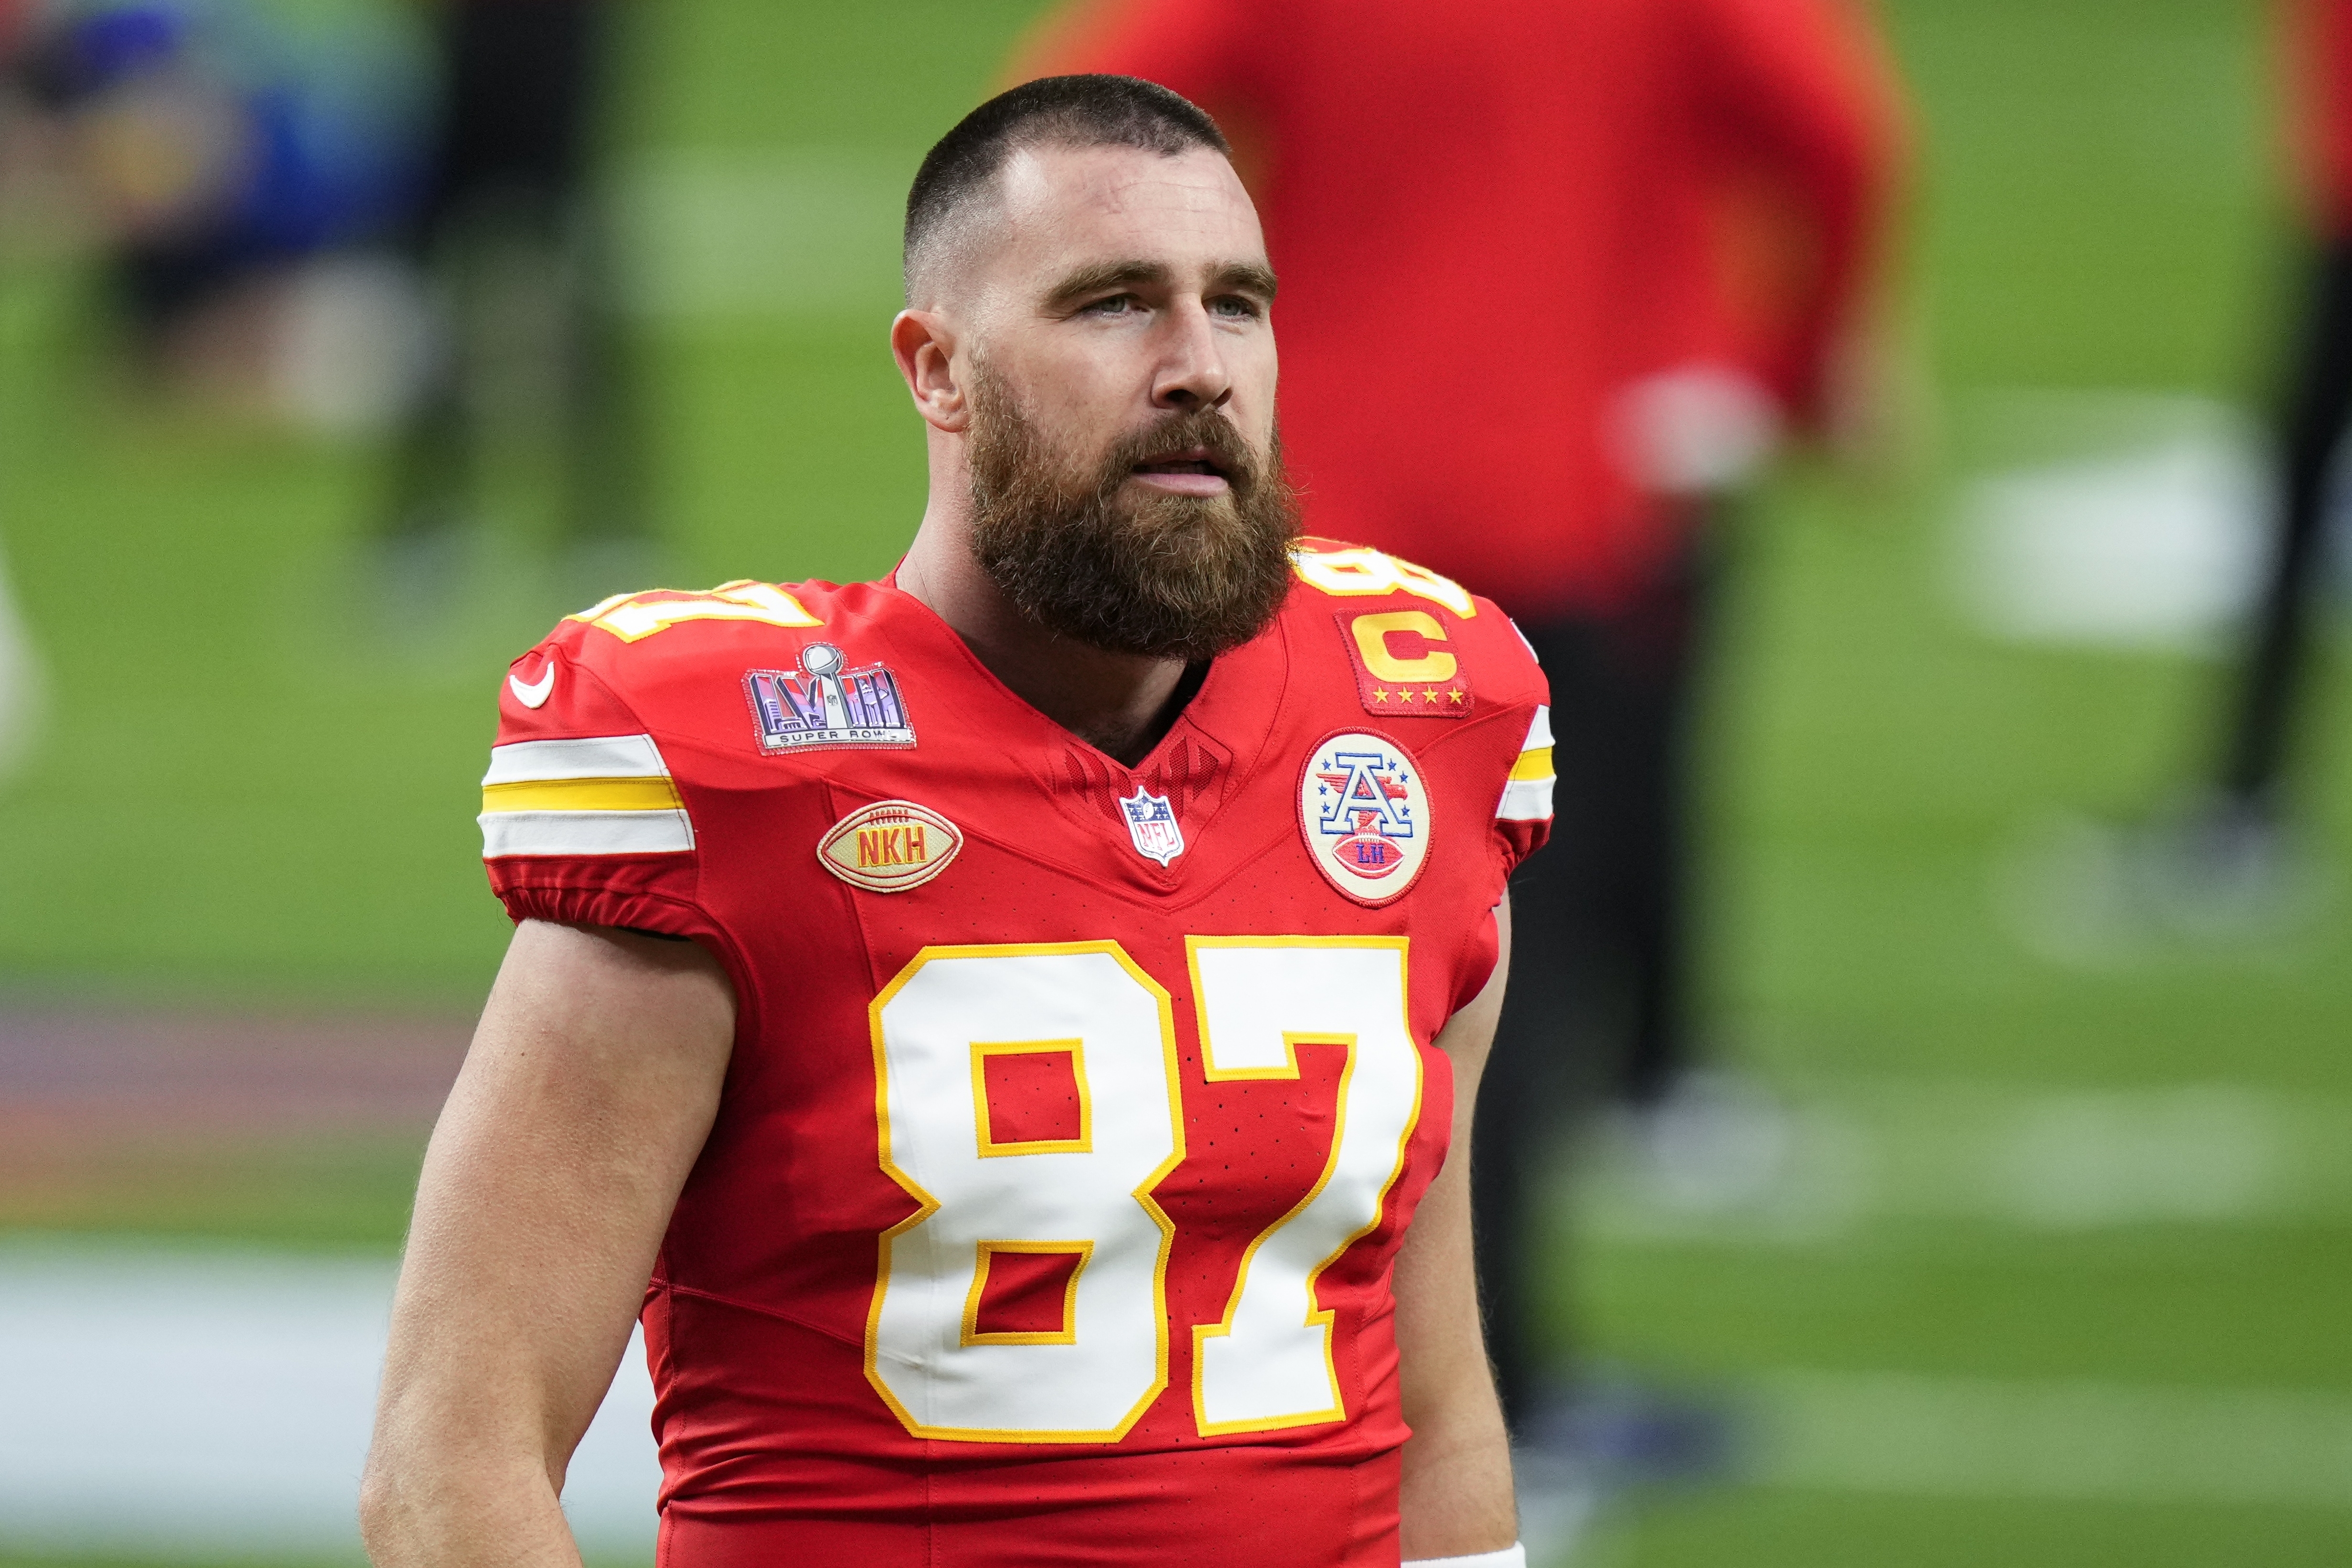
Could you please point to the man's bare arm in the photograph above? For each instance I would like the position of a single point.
(585, 1097)
(1456, 1497)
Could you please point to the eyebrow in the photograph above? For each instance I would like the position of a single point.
(1249, 276)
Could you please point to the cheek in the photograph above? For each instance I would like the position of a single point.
(1256, 376)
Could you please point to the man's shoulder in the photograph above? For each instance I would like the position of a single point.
(656, 649)
(1419, 644)
(689, 670)
(633, 638)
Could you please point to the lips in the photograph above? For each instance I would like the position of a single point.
(1195, 461)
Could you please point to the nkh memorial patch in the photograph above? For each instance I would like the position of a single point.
(1152, 823)
(828, 704)
(889, 846)
(1364, 812)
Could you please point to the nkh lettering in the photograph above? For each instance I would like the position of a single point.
(891, 846)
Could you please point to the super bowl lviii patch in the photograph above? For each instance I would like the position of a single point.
(1405, 665)
(1152, 823)
(889, 846)
(1364, 812)
(827, 704)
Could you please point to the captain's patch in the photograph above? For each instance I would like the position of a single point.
(1405, 665)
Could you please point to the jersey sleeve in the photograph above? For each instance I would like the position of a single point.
(1523, 816)
(582, 819)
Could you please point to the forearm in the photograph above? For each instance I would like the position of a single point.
(1455, 1496)
(428, 1504)
(1456, 1499)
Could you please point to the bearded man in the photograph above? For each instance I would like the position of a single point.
(1000, 1026)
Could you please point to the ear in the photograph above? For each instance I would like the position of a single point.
(924, 345)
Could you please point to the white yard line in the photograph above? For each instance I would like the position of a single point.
(2068, 1441)
(211, 1399)
(1827, 1157)
(23, 687)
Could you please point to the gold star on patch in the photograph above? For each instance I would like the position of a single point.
(1379, 694)
(1455, 694)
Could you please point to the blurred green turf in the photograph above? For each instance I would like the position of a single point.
(251, 794)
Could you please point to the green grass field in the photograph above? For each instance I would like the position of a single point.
(250, 797)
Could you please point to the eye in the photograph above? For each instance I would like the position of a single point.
(1237, 308)
(1115, 305)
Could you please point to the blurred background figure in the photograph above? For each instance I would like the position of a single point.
(237, 169)
(529, 341)
(2226, 868)
(1558, 276)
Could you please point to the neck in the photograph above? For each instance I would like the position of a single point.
(1120, 704)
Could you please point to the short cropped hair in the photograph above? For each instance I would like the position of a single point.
(1056, 112)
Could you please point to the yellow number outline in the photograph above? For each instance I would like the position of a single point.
(1318, 1315)
(1172, 1065)
(633, 617)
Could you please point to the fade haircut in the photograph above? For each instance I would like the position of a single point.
(1053, 111)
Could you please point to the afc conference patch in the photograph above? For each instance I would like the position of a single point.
(825, 704)
(1364, 813)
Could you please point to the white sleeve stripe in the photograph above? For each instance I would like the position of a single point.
(1539, 732)
(597, 757)
(1525, 800)
(584, 834)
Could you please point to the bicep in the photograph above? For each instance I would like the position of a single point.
(583, 1102)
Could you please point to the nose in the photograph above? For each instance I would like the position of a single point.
(1193, 373)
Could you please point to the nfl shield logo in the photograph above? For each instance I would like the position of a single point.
(1152, 823)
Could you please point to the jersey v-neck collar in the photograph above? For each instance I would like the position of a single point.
(1247, 682)
(1210, 695)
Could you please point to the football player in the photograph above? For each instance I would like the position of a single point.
(1001, 1027)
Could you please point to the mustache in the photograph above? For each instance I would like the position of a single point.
(1201, 429)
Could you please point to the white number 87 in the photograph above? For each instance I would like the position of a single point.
(1267, 1364)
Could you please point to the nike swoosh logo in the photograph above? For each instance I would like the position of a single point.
(536, 693)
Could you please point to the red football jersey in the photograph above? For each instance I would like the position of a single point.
(1076, 1110)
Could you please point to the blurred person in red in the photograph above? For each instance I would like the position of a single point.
(1664, 213)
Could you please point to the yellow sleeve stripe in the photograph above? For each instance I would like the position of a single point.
(582, 795)
(1533, 763)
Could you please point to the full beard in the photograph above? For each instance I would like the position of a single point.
(1159, 575)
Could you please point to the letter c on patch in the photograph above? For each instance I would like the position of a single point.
(1371, 634)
